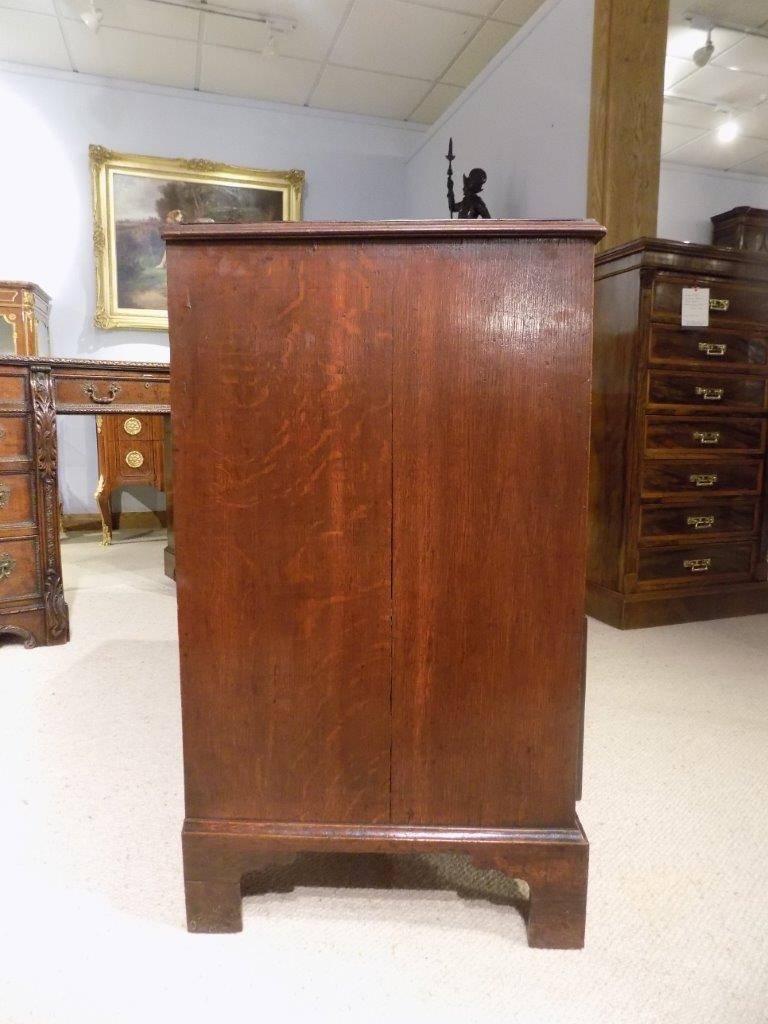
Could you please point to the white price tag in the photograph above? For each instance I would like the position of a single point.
(695, 311)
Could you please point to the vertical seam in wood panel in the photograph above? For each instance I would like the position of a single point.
(391, 539)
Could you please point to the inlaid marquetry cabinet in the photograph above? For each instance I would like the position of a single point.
(677, 480)
(380, 481)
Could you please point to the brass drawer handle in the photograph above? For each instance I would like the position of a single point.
(112, 392)
(5, 495)
(703, 479)
(701, 522)
(707, 436)
(721, 305)
(7, 565)
(698, 564)
(710, 394)
(134, 459)
(711, 348)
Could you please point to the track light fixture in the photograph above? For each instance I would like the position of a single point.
(92, 17)
(703, 55)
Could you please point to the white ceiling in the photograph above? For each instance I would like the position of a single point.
(403, 59)
(734, 84)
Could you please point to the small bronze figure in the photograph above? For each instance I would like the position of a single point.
(471, 206)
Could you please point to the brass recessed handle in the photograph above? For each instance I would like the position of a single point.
(701, 522)
(719, 305)
(711, 348)
(698, 564)
(707, 436)
(710, 394)
(703, 479)
(7, 565)
(5, 495)
(112, 392)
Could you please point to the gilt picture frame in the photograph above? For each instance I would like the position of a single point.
(134, 195)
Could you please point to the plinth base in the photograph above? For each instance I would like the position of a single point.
(553, 862)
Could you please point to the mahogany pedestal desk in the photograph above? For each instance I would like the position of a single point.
(380, 512)
(33, 390)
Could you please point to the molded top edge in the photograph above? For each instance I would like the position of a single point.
(670, 245)
(588, 229)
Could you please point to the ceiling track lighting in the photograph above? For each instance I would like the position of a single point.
(276, 24)
(92, 17)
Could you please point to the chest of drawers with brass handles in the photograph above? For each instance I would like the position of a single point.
(678, 436)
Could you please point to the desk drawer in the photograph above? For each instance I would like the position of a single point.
(135, 459)
(729, 435)
(697, 520)
(16, 501)
(699, 346)
(662, 478)
(730, 301)
(13, 391)
(19, 570)
(110, 392)
(14, 438)
(706, 391)
(698, 563)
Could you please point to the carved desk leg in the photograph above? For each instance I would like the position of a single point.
(46, 464)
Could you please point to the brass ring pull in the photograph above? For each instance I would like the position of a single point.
(710, 348)
(134, 459)
(7, 565)
(5, 495)
(698, 564)
(710, 394)
(112, 391)
(707, 436)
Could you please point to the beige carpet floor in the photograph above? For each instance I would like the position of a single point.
(92, 922)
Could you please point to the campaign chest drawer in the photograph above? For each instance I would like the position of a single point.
(706, 391)
(662, 478)
(701, 346)
(700, 562)
(729, 435)
(729, 301)
(16, 500)
(695, 520)
(19, 569)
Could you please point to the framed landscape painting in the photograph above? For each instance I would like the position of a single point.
(133, 196)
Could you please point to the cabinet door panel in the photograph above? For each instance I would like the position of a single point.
(491, 405)
(282, 474)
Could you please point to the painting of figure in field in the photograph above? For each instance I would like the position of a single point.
(143, 203)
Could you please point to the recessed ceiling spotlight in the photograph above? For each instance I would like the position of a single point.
(728, 130)
(703, 55)
(92, 18)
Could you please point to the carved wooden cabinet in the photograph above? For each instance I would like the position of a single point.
(130, 451)
(678, 494)
(380, 476)
(24, 313)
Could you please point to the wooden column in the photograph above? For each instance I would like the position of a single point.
(630, 41)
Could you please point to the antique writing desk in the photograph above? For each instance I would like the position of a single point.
(33, 390)
(380, 513)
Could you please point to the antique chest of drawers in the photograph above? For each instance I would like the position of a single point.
(380, 505)
(677, 492)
